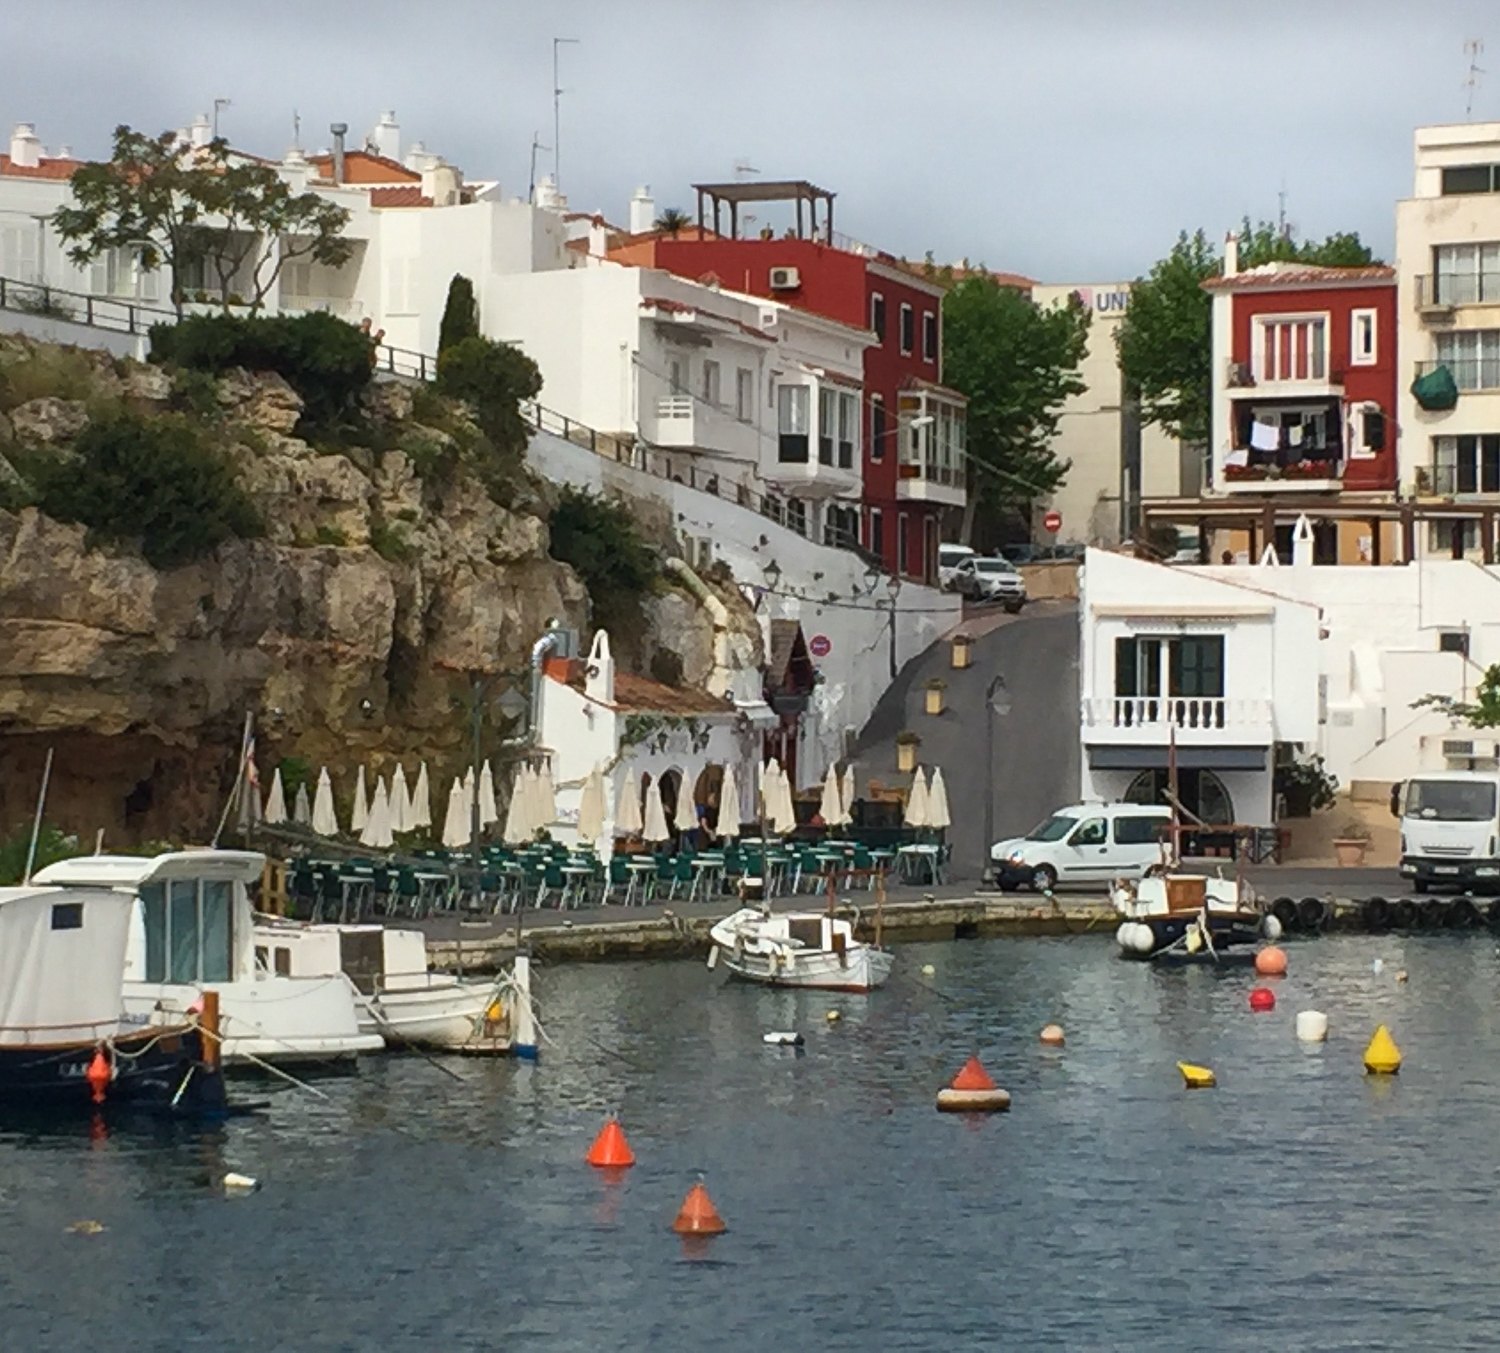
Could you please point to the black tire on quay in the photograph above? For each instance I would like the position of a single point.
(1377, 914)
(1430, 912)
(1403, 914)
(1312, 913)
(1285, 911)
(1462, 914)
(1492, 915)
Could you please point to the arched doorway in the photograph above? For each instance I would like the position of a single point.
(1201, 792)
(707, 792)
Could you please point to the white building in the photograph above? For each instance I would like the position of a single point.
(1247, 664)
(1115, 461)
(1448, 265)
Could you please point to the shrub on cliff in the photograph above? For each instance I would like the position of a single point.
(148, 479)
(602, 543)
(493, 378)
(326, 361)
(460, 314)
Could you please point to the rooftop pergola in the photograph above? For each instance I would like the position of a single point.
(799, 191)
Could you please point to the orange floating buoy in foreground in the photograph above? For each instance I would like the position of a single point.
(98, 1075)
(610, 1150)
(972, 1091)
(1270, 962)
(698, 1216)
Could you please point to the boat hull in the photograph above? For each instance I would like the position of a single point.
(157, 1069)
(446, 1014)
(1225, 930)
(859, 969)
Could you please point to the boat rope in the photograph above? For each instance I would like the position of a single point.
(266, 1066)
(388, 1030)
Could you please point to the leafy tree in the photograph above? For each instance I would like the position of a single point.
(460, 314)
(1017, 363)
(1482, 712)
(493, 378)
(602, 542)
(673, 219)
(1165, 345)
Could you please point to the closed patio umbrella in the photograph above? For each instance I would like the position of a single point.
(545, 812)
(684, 811)
(628, 805)
(591, 807)
(421, 801)
(275, 800)
(302, 810)
(361, 809)
(517, 829)
(456, 819)
(399, 803)
(785, 818)
(324, 820)
(847, 793)
(377, 832)
(488, 813)
(769, 772)
(729, 806)
(655, 829)
(916, 801)
(830, 806)
(937, 802)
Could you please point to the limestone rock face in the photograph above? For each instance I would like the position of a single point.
(48, 421)
(146, 383)
(262, 399)
(310, 500)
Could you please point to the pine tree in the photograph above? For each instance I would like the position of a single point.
(460, 314)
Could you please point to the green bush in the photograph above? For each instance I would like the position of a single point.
(152, 480)
(63, 373)
(51, 845)
(460, 314)
(390, 542)
(600, 540)
(493, 378)
(327, 361)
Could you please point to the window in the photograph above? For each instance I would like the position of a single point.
(1473, 356)
(1471, 178)
(877, 428)
(744, 394)
(283, 961)
(1466, 273)
(19, 255)
(877, 532)
(67, 915)
(1137, 667)
(1194, 667)
(1455, 538)
(1292, 349)
(791, 422)
(1362, 338)
(1089, 833)
(711, 383)
(929, 336)
(796, 516)
(188, 930)
(848, 428)
(677, 375)
(877, 315)
(1138, 830)
(901, 544)
(908, 330)
(1466, 465)
(828, 417)
(1449, 641)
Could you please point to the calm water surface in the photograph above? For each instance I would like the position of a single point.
(1298, 1206)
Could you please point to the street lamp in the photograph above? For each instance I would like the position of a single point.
(893, 587)
(773, 575)
(996, 703)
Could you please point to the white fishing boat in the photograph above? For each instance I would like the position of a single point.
(1191, 915)
(397, 996)
(192, 930)
(797, 949)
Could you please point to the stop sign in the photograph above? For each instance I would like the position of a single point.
(1053, 522)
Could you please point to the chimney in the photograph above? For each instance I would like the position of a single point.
(642, 210)
(548, 196)
(387, 136)
(339, 130)
(418, 158)
(1231, 255)
(295, 170)
(441, 183)
(200, 130)
(25, 148)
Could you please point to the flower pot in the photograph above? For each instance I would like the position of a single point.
(906, 756)
(935, 699)
(1350, 852)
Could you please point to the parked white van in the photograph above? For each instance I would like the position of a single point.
(1085, 843)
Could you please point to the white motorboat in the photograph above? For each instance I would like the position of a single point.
(192, 929)
(1188, 914)
(797, 949)
(397, 996)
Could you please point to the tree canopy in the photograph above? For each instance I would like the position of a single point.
(460, 314)
(1481, 712)
(1018, 364)
(1165, 343)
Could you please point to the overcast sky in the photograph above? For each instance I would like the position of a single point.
(1066, 139)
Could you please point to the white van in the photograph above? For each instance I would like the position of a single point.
(949, 558)
(1086, 843)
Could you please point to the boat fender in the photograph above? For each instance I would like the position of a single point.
(1270, 928)
(783, 1038)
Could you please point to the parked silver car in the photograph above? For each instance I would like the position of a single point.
(991, 579)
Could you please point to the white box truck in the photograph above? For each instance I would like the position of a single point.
(1450, 831)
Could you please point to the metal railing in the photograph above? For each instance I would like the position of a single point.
(77, 307)
(1443, 290)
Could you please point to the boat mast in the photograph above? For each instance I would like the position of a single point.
(36, 825)
(1172, 797)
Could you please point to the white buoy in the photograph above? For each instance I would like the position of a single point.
(1270, 928)
(240, 1183)
(1312, 1026)
(1378, 966)
(783, 1038)
(928, 970)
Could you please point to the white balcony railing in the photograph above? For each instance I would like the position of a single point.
(1192, 718)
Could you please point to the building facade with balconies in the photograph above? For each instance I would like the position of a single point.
(1448, 260)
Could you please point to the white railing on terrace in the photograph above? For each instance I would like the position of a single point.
(675, 406)
(1185, 713)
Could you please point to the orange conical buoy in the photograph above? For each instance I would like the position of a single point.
(98, 1075)
(698, 1216)
(972, 1077)
(610, 1150)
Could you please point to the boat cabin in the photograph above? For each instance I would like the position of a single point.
(373, 957)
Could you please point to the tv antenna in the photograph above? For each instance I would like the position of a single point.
(536, 145)
(218, 104)
(743, 169)
(1473, 49)
(557, 93)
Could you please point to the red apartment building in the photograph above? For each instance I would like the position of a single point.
(913, 427)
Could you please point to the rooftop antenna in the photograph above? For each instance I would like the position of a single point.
(1281, 226)
(536, 145)
(1473, 49)
(218, 104)
(743, 169)
(557, 93)
(296, 130)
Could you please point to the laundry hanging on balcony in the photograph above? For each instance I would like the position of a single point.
(1264, 436)
(1437, 390)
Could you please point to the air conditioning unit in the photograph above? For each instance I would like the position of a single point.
(785, 279)
(1456, 749)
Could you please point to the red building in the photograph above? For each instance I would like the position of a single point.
(913, 428)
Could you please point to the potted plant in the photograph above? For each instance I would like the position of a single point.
(906, 750)
(935, 688)
(1352, 842)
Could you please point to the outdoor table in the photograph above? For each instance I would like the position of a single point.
(575, 884)
(642, 870)
(356, 882)
(706, 869)
(430, 886)
(919, 860)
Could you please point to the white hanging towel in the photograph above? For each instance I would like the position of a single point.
(1265, 436)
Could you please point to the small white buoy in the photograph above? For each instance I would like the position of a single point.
(928, 970)
(1312, 1026)
(240, 1183)
(783, 1038)
(1378, 966)
(833, 1017)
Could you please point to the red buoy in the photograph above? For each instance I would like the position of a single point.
(98, 1075)
(1262, 998)
(610, 1150)
(972, 1076)
(698, 1216)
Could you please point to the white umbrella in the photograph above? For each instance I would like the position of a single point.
(275, 800)
(916, 801)
(517, 830)
(831, 806)
(421, 801)
(591, 807)
(784, 821)
(324, 820)
(455, 820)
(937, 802)
(729, 806)
(655, 828)
(302, 810)
(684, 811)
(400, 802)
(769, 773)
(847, 796)
(628, 805)
(361, 809)
(488, 813)
(545, 812)
(377, 828)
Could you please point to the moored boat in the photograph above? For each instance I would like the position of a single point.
(1189, 915)
(796, 949)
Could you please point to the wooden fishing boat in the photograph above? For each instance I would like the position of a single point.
(796, 949)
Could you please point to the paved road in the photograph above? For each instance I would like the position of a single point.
(1036, 744)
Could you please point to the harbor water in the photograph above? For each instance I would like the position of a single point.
(1300, 1205)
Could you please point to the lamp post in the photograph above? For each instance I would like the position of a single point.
(893, 587)
(512, 704)
(996, 702)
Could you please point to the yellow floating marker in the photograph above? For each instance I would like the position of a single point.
(1196, 1077)
(1382, 1056)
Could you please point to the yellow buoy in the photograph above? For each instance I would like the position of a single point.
(1196, 1077)
(833, 1017)
(1382, 1056)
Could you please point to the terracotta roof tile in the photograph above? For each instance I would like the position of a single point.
(683, 308)
(46, 169)
(408, 195)
(641, 694)
(1269, 276)
(364, 166)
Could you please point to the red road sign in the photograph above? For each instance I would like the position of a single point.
(820, 645)
(1053, 522)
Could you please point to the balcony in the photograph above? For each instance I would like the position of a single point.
(1190, 720)
(931, 483)
(1469, 373)
(674, 424)
(1471, 478)
(1438, 295)
(1301, 476)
